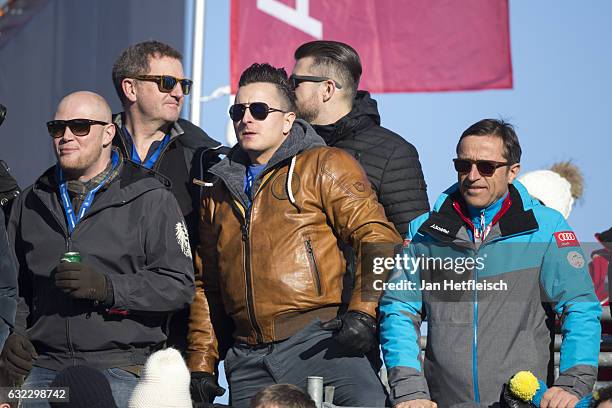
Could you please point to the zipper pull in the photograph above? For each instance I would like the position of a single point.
(309, 247)
(245, 233)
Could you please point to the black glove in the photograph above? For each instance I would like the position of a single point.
(204, 389)
(18, 354)
(9, 189)
(82, 282)
(509, 400)
(355, 330)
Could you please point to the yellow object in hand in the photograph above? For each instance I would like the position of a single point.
(524, 385)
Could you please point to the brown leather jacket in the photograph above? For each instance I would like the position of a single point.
(275, 268)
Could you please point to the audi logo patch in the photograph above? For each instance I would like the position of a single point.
(566, 239)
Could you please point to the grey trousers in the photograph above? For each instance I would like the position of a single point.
(311, 351)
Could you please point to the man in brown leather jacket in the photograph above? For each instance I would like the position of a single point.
(269, 261)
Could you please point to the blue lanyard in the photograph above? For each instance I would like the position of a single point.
(153, 158)
(68, 209)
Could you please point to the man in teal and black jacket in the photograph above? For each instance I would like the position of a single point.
(489, 267)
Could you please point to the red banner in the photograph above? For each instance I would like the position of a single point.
(404, 45)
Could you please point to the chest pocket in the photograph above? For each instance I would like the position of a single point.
(444, 281)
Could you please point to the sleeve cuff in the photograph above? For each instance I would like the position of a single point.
(576, 385)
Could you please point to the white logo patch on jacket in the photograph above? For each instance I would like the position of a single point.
(575, 259)
(182, 237)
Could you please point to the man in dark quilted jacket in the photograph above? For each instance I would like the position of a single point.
(326, 76)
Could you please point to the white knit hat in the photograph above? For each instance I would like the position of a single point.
(550, 188)
(164, 382)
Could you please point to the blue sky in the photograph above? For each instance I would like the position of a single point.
(560, 103)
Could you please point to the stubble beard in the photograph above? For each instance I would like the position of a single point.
(308, 111)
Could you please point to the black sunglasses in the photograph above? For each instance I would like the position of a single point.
(166, 83)
(259, 110)
(296, 80)
(78, 127)
(486, 168)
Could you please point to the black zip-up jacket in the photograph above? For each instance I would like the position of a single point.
(180, 162)
(391, 163)
(135, 234)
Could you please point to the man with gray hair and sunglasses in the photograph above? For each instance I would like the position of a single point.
(151, 85)
(496, 267)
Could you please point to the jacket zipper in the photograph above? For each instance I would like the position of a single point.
(68, 239)
(247, 269)
(475, 341)
(313, 266)
(246, 247)
(247, 262)
(71, 300)
(475, 321)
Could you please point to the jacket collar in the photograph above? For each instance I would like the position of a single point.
(133, 181)
(446, 224)
(125, 144)
(232, 168)
(363, 115)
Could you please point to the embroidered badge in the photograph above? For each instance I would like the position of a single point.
(566, 239)
(359, 186)
(279, 186)
(575, 259)
(182, 237)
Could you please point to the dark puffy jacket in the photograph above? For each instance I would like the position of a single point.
(134, 234)
(390, 162)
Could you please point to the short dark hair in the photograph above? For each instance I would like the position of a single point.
(335, 59)
(503, 130)
(135, 61)
(282, 395)
(269, 74)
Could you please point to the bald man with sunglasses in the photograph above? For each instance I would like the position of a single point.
(495, 269)
(151, 85)
(103, 257)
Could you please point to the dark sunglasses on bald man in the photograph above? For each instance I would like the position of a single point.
(166, 83)
(486, 168)
(78, 127)
(259, 110)
(296, 80)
